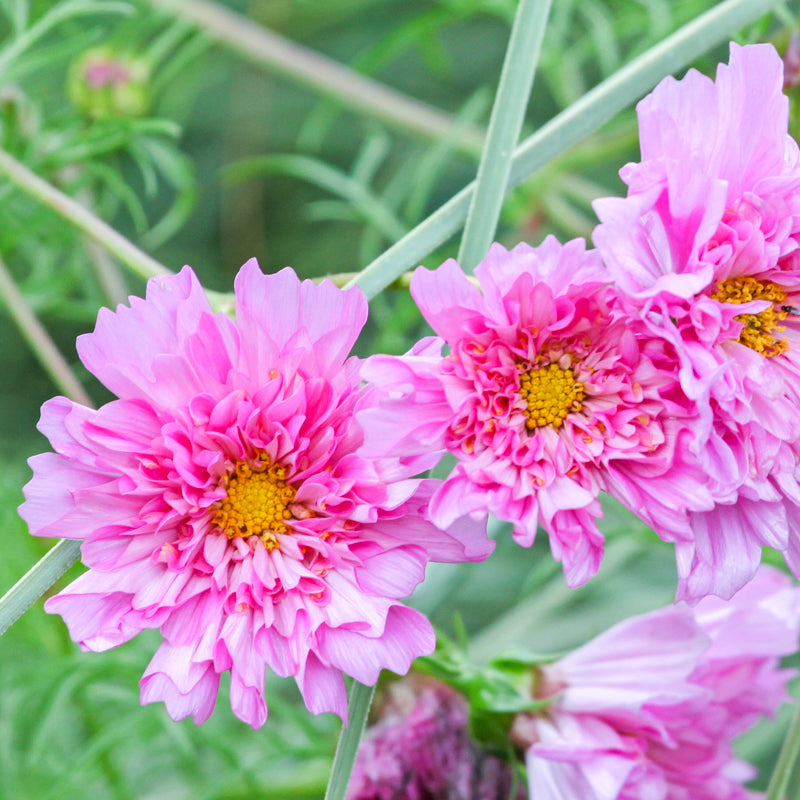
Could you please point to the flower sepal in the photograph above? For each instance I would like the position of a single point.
(496, 692)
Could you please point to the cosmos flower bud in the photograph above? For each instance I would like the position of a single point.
(104, 83)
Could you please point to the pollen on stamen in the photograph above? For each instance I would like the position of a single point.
(551, 392)
(257, 502)
(759, 329)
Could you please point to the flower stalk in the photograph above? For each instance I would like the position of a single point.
(37, 580)
(128, 253)
(505, 125)
(787, 760)
(347, 746)
(39, 340)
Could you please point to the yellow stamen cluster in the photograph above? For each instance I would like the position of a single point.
(257, 503)
(551, 393)
(759, 329)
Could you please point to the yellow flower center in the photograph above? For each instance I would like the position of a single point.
(257, 502)
(759, 329)
(551, 393)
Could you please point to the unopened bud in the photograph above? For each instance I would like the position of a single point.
(103, 83)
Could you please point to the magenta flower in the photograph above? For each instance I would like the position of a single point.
(420, 749)
(548, 395)
(705, 247)
(223, 499)
(649, 708)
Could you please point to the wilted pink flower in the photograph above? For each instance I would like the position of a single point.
(705, 247)
(548, 395)
(649, 708)
(223, 498)
(420, 750)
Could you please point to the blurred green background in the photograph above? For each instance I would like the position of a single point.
(211, 159)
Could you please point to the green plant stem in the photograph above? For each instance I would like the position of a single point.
(570, 126)
(37, 580)
(787, 760)
(359, 702)
(323, 74)
(83, 219)
(107, 271)
(58, 13)
(39, 339)
(505, 124)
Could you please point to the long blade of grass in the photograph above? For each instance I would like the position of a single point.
(505, 124)
(582, 118)
(787, 761)
(359, 702)
(36, 581)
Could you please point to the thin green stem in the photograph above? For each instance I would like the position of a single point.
(39, 339)
(322, 74)
(570, 126)
(787, 760)
(346, 748)
(505, 125)
(107, 271)
(47, 194)
(37, 580)
(166, 44)
(49, 20)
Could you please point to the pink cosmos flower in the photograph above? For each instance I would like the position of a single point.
(223, 498)
(420, 749)
(548, 395)
(705, 247)
(649, 708)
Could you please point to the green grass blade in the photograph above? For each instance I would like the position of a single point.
(787, 760)
(508, 112)
(360, 701)
(36, 581)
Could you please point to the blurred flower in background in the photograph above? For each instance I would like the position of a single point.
(650, 707)
(420, 749)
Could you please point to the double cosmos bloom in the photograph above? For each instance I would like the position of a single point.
(224, 498)
(549, 395)
(648, 709)
(704, 250)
